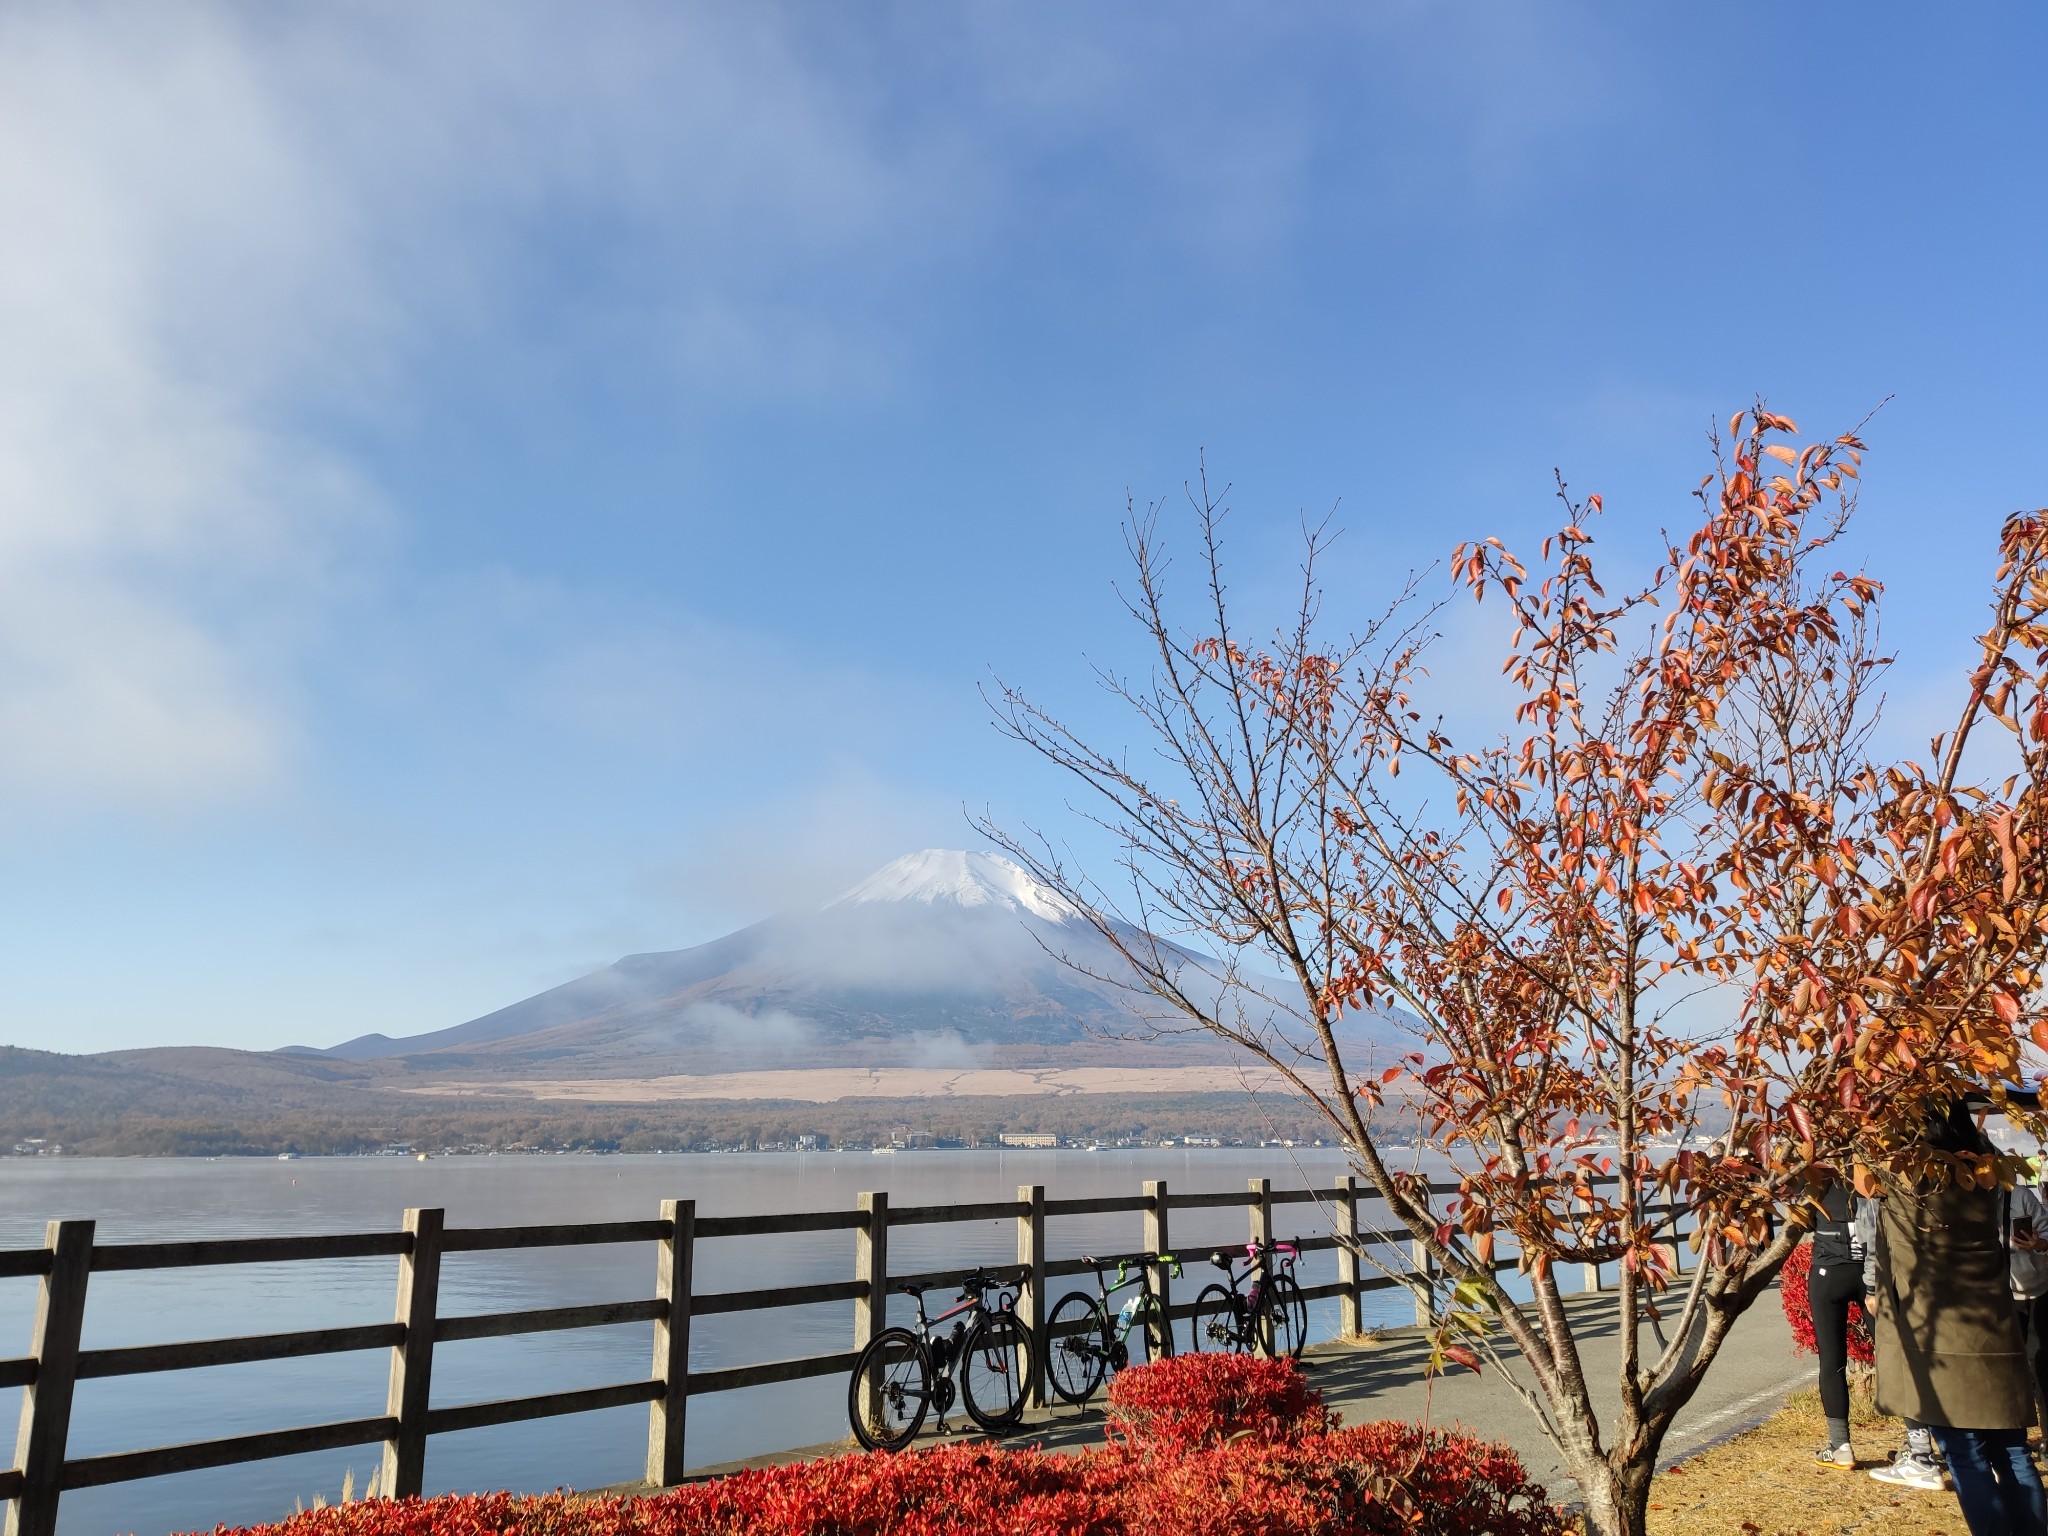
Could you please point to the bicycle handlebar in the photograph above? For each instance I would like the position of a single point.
(1127, 1261)
(1253, 1252)
(1123, 1266)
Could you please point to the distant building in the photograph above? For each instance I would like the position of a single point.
(1028, 1139)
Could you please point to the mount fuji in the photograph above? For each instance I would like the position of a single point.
(941, 959)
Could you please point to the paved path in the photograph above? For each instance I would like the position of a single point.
(1385, 1379)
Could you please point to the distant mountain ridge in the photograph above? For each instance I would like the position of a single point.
(942, 981)
(942, 957)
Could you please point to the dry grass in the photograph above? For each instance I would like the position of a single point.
(1765, 1483)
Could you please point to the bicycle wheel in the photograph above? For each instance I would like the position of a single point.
(995, 1370)
(1149, 1335)
(1286, 1317)
(1215, 1324)
(891, 1390)
(1074, 1365)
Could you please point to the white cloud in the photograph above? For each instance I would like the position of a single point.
(234, 231)
(772, 1031)
(794, 849)
(241, 237)
(157, 524)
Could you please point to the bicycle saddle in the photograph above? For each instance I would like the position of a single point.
(1220, 1260)
(912, 1290)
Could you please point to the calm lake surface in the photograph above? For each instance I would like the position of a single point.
(147, 1200)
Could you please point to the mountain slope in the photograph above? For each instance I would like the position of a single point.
(940, 958)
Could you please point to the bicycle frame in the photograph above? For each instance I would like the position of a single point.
(1259, 1261)
(968, 1303)
(971, 1305)
(1124, 1281)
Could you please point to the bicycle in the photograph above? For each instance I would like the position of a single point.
(1270, 1316)
(902, 1375)
(1084, 1343)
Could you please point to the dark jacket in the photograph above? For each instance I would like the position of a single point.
(1834, 1241)
(1948, 1340)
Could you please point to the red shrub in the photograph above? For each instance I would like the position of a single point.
(1207, 1446)
(1189, 1401)
(1792, 1295)
(1454, 1482)
(1384, 1479)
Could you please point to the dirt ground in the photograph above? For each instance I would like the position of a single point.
(1765, 1482)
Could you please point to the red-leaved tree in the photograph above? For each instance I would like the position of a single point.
(1673, 947)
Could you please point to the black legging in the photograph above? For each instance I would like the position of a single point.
(1830, 1292)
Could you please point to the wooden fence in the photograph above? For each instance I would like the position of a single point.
(42, 1470)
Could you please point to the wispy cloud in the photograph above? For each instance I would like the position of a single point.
(249, 239)
(158, 522)
(236, 238)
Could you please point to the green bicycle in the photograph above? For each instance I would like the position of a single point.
(1084, 1342)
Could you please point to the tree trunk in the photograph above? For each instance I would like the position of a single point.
(1617, 1494)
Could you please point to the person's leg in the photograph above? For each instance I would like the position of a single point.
(1976, 1484)
(1997, 1498)
(2019, 1484)
(2034, 1324)
(1828, 1296)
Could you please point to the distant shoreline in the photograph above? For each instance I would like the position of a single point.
(1218, 1149)
(832, 1085)
(358, 1124)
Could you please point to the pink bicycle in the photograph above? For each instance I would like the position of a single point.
(1269, 1315)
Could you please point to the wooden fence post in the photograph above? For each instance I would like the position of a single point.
(1425, 1268)
(871, 1267)
(1032, 1303)
(667, 1415)
(1679, 1245)
(46, 1401)
(1589, 1274)
(412, 1359)
(1261, 1202)
(1156, 1242)
(1351, 1303)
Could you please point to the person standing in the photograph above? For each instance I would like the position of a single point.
(1948, 1339)
(1836, 1283)
(2027, 1230)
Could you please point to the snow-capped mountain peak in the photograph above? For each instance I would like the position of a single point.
(958, 878)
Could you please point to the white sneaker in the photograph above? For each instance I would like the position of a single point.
(1910, 1471)
(1840, 1457)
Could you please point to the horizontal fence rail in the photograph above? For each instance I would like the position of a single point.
(70, 1257)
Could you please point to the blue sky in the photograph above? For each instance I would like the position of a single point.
(488, 488)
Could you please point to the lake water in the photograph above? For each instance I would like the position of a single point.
(148, 1200)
